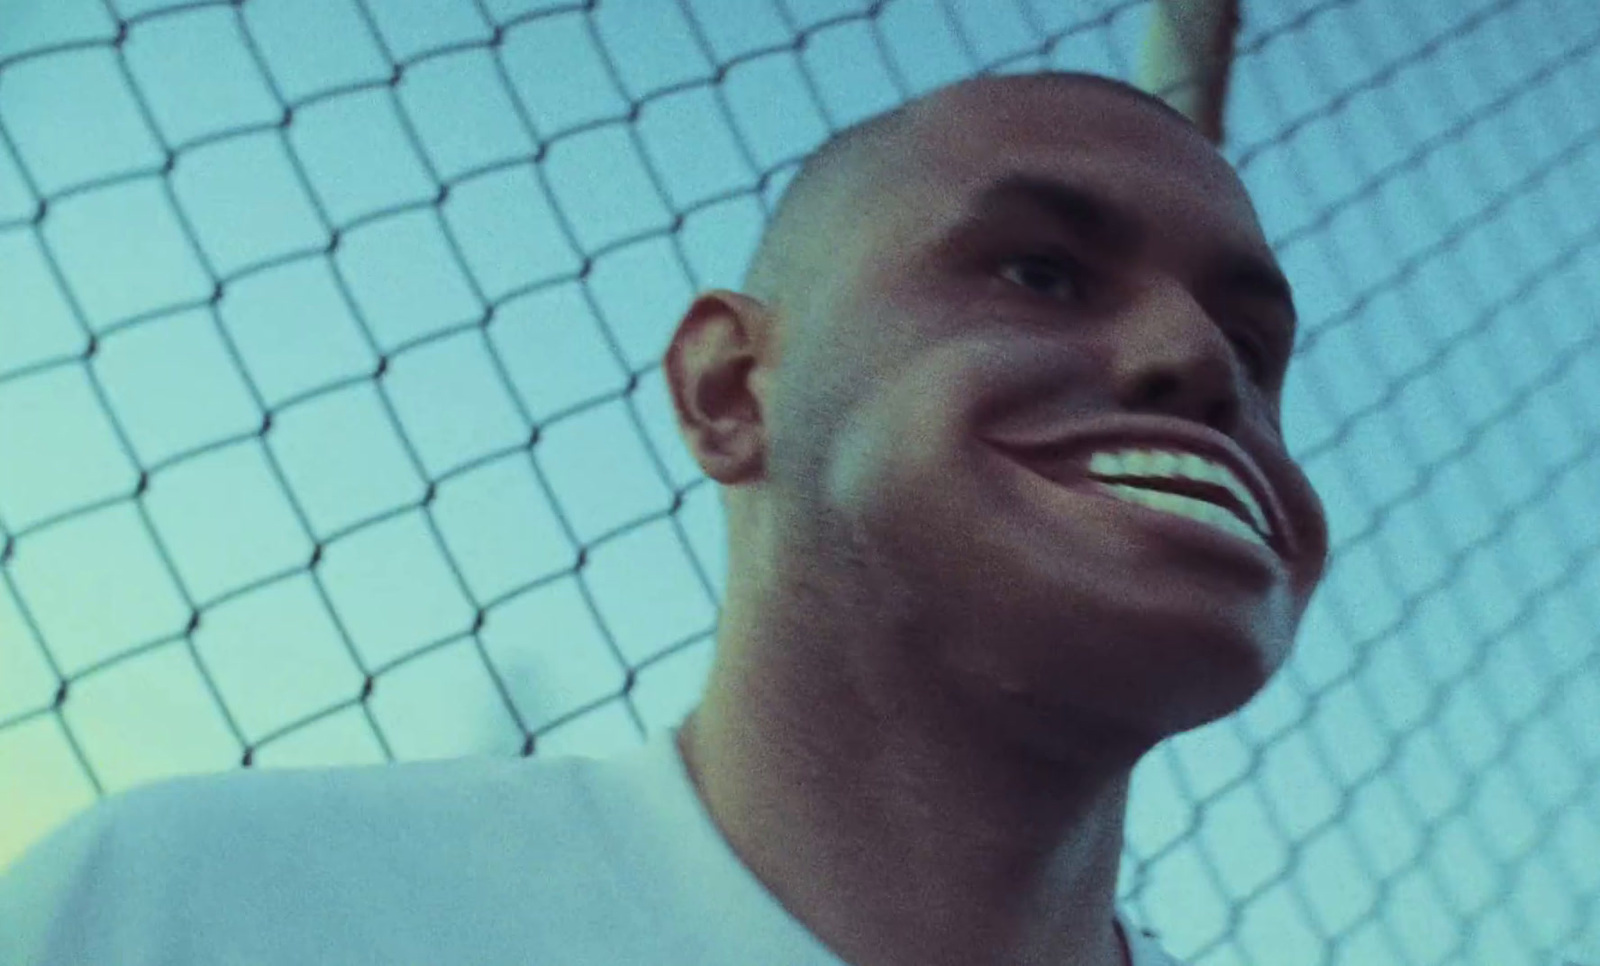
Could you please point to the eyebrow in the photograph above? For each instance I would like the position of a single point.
(1119, 231)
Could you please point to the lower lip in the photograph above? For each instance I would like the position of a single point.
(1173, 530)
(1180, 527)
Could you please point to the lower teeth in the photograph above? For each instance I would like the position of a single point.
(1184, 506)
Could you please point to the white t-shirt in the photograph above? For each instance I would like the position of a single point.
(512, 862)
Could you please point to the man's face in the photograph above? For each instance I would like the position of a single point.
(968, 322)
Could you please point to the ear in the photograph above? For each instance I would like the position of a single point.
(716, 367)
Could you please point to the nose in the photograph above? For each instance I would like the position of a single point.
(1172, 359)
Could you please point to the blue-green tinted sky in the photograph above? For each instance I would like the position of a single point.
(1420, 781)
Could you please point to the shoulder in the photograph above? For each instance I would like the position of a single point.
(261, 817)
(222, 854)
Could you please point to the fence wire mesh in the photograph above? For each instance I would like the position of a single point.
(332, 426)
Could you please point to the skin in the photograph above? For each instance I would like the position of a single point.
(935, 671)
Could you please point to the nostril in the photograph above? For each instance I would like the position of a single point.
(1223, 414)
(1159, 386)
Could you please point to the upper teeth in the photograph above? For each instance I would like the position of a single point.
(1146, 462)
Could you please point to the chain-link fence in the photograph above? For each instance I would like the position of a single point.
(332, 425)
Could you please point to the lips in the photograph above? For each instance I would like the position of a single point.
(1065, 461)
(1185, 486)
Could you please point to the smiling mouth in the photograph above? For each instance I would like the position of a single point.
(1193, 490)
(1217, 514)
(1186, 507)
(1168, 490)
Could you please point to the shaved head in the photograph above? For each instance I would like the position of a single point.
(839, 172)
(847, 170)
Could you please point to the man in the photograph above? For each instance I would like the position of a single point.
(945, 644)
(985, 340)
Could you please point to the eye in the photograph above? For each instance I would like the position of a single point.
(1044, 273)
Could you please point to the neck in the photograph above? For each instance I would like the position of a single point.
(920, 836)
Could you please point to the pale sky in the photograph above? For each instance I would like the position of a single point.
(1421, 783)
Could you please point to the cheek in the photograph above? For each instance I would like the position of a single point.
(912, 427)
(883, 457)
(903, 453)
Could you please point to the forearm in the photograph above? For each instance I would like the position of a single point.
(1187, 58)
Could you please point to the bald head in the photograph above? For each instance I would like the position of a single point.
(840, 181)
